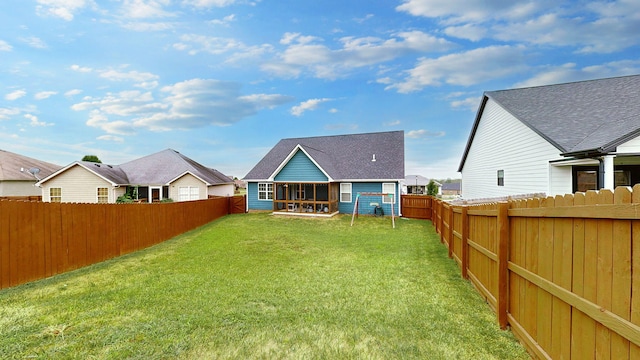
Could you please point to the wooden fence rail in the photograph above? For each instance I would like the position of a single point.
(563, 272)
(38, 240)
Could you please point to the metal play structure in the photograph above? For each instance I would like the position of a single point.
(376, 205)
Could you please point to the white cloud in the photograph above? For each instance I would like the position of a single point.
(34, 42)
(144, 9)
(457, 11)
(113, 138)
(33, 121)
(421, 134)
(135, 76)
(208, 3)
(311, 104)
(79, 68)
(44, 95)
(467, 31)
(307, 54)
(570, 72)
(73, 92)
(63, 9)
(4, 46)
(15, 95)
(454, 69)
(470, 103)
(185, 105)
(6, 113)
(225, 21)
(148, 26)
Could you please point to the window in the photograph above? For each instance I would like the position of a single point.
(265, 191)
(345, 192)
(389, 188)
(55, 195)
(103, 195)
(186, 193)
(500, 177)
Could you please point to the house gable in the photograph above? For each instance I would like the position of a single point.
(502, 142)
(78, 185)
(300, 167)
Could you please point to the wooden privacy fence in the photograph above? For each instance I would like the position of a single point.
(563, 272)
(416, 206)
(38, 240)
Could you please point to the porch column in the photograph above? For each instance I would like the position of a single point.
(609, 180)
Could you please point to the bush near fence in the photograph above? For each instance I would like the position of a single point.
(563, 272)
(38, 240)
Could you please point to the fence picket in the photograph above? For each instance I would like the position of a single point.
(621, 274)
(604, 276)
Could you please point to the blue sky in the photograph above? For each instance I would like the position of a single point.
(222, 81)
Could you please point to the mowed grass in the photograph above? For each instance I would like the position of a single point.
(258, 286)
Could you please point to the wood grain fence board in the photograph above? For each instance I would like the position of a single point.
(514, 279)
(579, 321)
(590, 275)
(545, 270)
(40, 240)
(562, 262)
(58, 250)
(4, 244)
(621, 274)
(565, 279)
(604, 275)
(634, 350)
(531, 264)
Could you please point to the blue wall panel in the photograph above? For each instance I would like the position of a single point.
(252, 198)
(365, 207)
(301, 168)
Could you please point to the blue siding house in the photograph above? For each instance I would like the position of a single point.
(323, 176)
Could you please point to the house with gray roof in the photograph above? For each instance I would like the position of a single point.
(19, 175)
(418, 184)
(167, 174)
(323, 176)
(554, 139)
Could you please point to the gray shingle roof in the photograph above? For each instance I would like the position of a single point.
(12, 163)
(342, 157)
(166, 165)
(586, 117)
(112, 173)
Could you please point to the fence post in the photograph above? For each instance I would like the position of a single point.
(450, 231)
(503, 260)
(465, 237)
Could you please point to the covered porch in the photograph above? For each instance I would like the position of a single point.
(306, 198)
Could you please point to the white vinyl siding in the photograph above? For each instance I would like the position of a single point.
(389, 188)
(631, 146)
(346, 194)
(77, 185)
(503, 142)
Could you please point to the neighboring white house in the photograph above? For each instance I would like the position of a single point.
(163, 175)
(555, 139)
(19, 174)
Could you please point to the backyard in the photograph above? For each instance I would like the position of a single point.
(263, 287)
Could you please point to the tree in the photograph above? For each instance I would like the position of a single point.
(91, 158)
(432, 188)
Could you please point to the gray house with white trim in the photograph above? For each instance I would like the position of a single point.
(322, 176)
(554, 139)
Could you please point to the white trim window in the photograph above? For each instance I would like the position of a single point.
(265, 191)
(389, 188)
(186, 193)
(103, 195)
(346, 192)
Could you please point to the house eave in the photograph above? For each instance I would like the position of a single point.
(290, 156)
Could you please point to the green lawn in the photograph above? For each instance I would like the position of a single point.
(262, 287)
